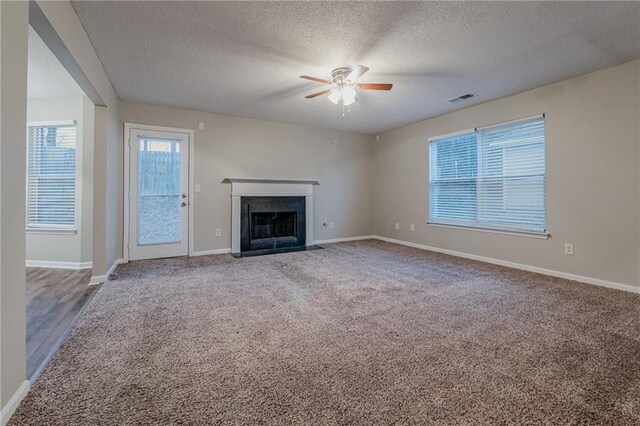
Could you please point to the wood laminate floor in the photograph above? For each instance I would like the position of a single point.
(54, 299)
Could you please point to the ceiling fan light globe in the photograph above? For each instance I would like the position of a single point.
(348, 102)
(348, 95)
(335, 96)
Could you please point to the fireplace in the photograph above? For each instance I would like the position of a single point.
(264, 197)
(272, 223)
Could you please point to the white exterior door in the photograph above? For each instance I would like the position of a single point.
(158, 193)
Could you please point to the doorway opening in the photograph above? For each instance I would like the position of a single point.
(59, 203)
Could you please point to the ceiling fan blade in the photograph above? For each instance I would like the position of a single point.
(316, 79)
(313, 95)
(375, 86)
(357, 72)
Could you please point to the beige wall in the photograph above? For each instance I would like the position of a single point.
(593, 191)
(242, 147)
(13, 115)
(71, 248)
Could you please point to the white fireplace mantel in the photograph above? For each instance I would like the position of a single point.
(267, 187)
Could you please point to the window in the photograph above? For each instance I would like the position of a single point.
(491, 177)
(51, 176)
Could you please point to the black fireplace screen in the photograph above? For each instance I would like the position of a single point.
(273, 225)
(268, 223)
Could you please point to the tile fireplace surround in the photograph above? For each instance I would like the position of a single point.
(256, 187)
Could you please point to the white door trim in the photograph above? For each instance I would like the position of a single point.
(127, 131)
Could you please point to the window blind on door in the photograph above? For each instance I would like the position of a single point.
(492, 177)
(51, 176)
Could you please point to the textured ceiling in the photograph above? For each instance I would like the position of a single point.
(46, 75)
(244, 58)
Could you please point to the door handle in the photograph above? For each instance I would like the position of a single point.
(184, 204)
(184, 195)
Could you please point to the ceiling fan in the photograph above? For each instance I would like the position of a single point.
(345, 85)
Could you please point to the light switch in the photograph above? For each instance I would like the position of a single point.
(197, 187)
(201, 126)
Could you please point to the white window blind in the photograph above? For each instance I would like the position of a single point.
(491, 177)
(51, 176)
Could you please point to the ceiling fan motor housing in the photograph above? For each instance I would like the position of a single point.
(340, 75)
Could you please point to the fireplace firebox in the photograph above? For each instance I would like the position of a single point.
(272, 223)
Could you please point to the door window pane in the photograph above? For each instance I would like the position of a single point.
(159, 198)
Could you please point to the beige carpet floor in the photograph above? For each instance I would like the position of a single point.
(359, 333)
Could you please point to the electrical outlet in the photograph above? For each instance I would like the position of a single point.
(218, 232)
(568, 249)
(331, 225)
(397, 225)
(197, 187)
(413, 227)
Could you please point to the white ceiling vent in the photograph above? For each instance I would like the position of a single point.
(461, 97)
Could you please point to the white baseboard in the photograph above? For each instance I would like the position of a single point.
(99, 279)
(57, 265)
(523, 267)
(341, 240)
(208, 252)
(10, 407)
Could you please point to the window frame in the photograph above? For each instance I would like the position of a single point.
(57, 229)
(484, 226)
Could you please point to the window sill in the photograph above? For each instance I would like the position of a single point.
(539, 235)
(52, 231)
